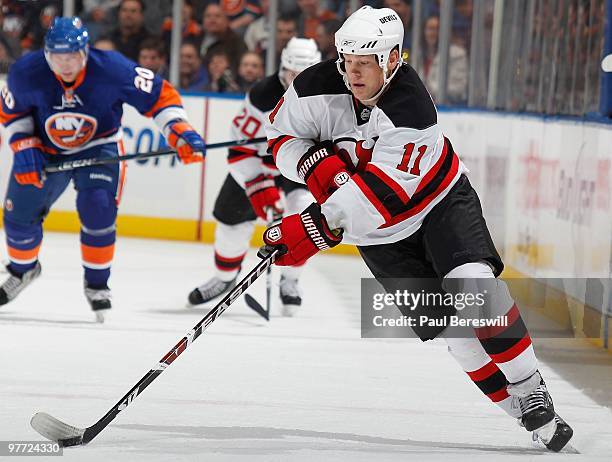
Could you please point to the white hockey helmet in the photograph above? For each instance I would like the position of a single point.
(370, 31)
(299, 54)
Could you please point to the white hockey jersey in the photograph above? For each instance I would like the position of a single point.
(403, 164)
(248, 162)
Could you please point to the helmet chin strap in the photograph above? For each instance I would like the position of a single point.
(281, 77)
(387, 80)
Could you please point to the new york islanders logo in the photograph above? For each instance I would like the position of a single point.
(70, 130)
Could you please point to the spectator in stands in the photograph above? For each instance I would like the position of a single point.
(106, 5)
(288, 8)
(190, 31)
(404, 10)
(250, 71)
(6, 58)
(311, 15)
(104, 43)
(155, 13)
(462, 18)
(256, 34)
(11, 28)
(241, 13)
(130, 32)
(326, 31)
(198, 8)
(286, 29)
(457, 80)
(34, 37)
(222, 78)
(152, 55)
(98, 15)
(192, 73)
(219, 37)
(462, 22)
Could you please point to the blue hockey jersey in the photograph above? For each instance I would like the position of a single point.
(68, 119)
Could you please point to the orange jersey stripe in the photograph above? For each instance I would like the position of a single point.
(26, 143)
(97, 255)
(168, 96)
(19, 254)
(6, 117)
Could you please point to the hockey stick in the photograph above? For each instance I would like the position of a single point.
(79, 163)
(256, 306)
(271, 217)
(67, 435)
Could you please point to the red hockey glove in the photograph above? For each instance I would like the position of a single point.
(29, 161)
(322, 170)
(189, 146)
(263, 194)
(302, 235)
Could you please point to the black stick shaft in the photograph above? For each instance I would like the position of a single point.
(175, 352)
(79, 163)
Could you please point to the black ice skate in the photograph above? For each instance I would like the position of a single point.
(538, 413)
(290, 296)
(210, 290)
(99, 300)
(16, 283)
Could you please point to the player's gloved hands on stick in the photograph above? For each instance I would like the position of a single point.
(189, 146)
(302, 236)
(322, 170)
(263, 194)
(29, 161)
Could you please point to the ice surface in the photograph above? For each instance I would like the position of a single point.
(300, 389)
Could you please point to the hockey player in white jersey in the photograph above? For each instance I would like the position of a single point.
(362, 134)
(253, 184)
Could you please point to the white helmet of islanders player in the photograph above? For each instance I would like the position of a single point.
(299, 54)
(368, 32)
(67, 47)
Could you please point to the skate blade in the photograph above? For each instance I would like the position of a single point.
(290, 311)
(555, 436)
(100, 318)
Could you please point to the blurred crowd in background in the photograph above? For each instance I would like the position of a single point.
(224, 43)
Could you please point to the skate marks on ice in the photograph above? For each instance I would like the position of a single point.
(6, 318)
(268, 441)
(239, 314)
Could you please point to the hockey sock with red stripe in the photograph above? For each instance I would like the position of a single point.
(231, 245)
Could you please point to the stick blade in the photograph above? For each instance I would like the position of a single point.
(256, 306)
(56, 430)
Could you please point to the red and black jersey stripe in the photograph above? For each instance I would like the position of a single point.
(491, 381)
(238, 153)
(382, 191)
(275, 144)
(503, 344)
(392, 201)
(268, 161)
(228, 264)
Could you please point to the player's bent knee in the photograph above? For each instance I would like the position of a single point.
(473, 270)
(477, 280)
(97, 208)
(17, 229)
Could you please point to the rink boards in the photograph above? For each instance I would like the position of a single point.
(545, 185)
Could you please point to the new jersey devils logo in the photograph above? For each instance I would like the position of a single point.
(353, 152)
(69, 130)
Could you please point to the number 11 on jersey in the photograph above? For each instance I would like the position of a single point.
(405, 163)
